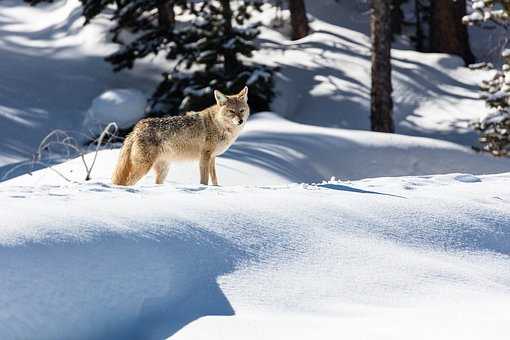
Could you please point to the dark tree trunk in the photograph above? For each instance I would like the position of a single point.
(166, 14)
(397, 16)
(420, 37)
(298, 19)
(381, 102)
(231, 64)
(447, 32)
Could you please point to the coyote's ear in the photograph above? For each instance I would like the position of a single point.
(243, 94)
(221, 99)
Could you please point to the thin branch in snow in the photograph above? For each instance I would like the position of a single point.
(70, 147)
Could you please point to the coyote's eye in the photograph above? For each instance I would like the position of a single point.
(232, 112)
(241, 111)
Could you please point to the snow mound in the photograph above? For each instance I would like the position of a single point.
(272, 150)
(123, 106)
(385, 258)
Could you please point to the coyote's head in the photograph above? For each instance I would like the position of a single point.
(233, 110)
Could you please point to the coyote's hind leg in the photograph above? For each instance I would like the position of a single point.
(137, 172)
(205, 160)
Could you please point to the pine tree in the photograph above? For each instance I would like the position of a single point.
(495, 127)
(497, 11)
(150, 21)
(447, 33)
(381, 101)
(298, 19)
(211, 53)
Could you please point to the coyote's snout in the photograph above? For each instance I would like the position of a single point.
(156, 142)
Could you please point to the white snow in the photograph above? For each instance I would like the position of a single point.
(377, 258)
(478, 5)
(475, 16)
(58, 68)
(281, 152)
(325, 79)
(52, 69)
(122, 106)
(408, 257)
(410, 239)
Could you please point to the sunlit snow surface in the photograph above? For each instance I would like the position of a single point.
(261, 257)
(53, 69)
(276, 252)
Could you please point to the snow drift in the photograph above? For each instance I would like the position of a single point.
(421, 257)
(263, 257)
(280, 152)
(122, 106)
(381, 258)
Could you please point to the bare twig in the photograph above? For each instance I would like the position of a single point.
(71, 147)
(106, 132)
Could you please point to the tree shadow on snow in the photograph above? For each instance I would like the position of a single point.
(313, 157)
(45, 72)
(324, 95)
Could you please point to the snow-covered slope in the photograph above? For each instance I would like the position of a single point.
(52, 69)
(325, 78)
(276, 253)
(387, 258)
(380, 258)
(280, 152)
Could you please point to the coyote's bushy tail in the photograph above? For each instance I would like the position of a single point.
(122, 170)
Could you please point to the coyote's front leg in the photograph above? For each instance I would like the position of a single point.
(161, 168)
(205, 159)
(212, 170)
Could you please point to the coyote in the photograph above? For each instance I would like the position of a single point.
(203, 135)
